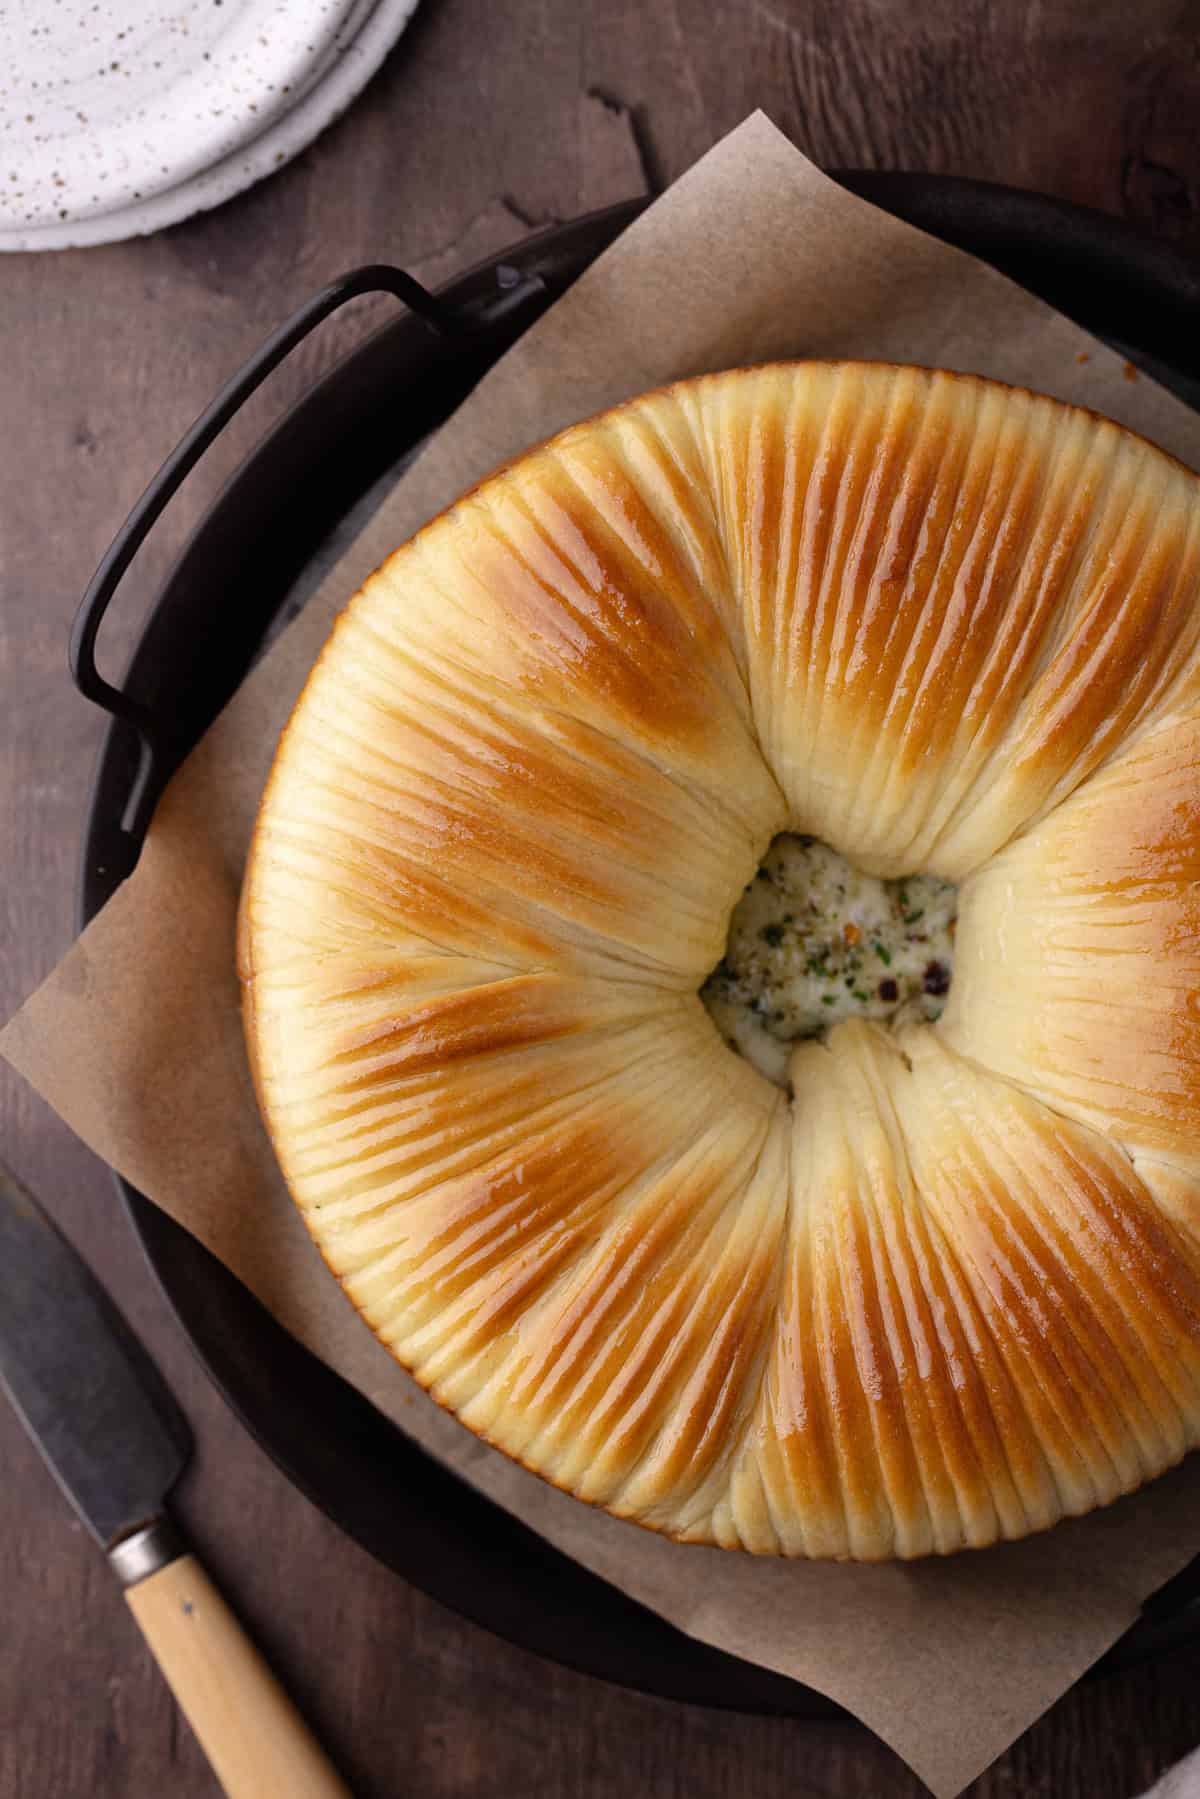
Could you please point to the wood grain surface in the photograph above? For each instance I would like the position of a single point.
(490, 118)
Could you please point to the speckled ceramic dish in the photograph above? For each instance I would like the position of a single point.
(120, 117)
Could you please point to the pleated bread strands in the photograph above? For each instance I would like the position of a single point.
(543, 752)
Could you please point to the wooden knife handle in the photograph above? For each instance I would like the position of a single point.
(256, 1740)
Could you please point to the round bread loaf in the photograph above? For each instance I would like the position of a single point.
(945, 1289)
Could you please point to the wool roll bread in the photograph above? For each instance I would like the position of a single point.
(942, 1288)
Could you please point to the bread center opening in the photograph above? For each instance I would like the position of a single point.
(813, 941)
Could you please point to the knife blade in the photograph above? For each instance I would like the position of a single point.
(116, 1441)
(87, 1392)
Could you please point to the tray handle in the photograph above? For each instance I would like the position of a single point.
(447, 320)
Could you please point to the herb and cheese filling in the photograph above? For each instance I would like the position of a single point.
(812, 941)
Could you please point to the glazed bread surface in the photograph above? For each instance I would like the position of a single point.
(947, 1289)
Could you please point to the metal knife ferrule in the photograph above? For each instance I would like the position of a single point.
(143, 1552)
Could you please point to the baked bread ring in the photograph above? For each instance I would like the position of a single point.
(947, 1289)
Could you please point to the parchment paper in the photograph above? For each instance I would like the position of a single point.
(136, 1037)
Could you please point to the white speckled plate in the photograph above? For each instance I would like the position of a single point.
(120, 116)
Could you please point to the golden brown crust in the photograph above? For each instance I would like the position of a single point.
(953, 1292)
(1089, 996)
(988, 1322)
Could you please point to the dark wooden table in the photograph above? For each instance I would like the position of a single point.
(492, 117)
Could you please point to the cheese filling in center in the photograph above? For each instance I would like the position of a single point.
(813, 941)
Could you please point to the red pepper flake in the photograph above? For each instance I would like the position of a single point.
(852, 934)
(1084, 356)
(1129, 372)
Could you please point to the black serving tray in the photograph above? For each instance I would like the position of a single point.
(264, 544)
